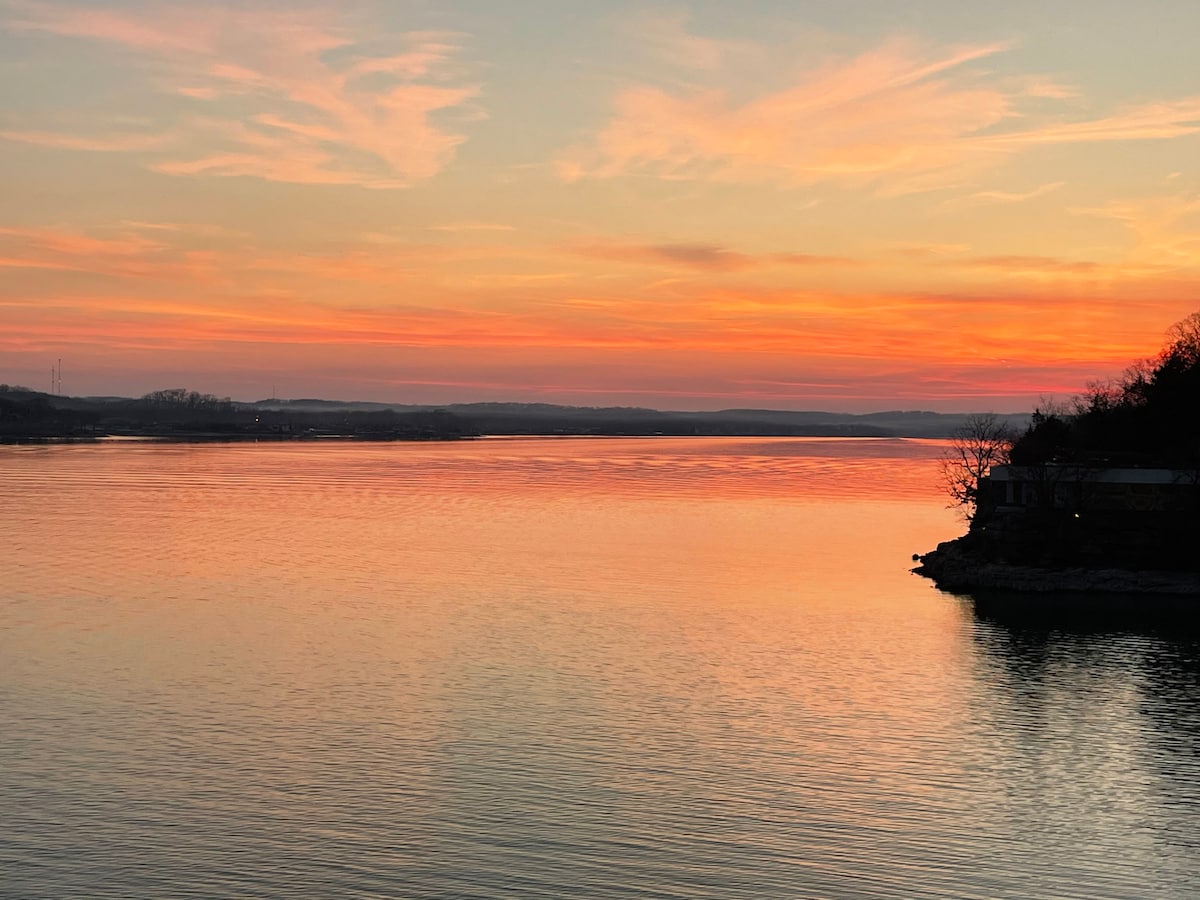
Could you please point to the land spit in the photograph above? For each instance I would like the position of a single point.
(958, 567)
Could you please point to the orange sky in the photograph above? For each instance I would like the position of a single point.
(854, 206)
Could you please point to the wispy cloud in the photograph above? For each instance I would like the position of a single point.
(115, 142)
(666, 37)
(1038, 265)
(472, 226)
(902, 117)
(285, 95)
(184, 228)
(1165, 229)
(704, 257)
(122, 254)
(1153, 121)
(982, 198)
(1048, 88)
(892, 110)
(923, 250)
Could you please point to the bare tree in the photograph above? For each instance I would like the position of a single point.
(1183, 339)
(983, 441)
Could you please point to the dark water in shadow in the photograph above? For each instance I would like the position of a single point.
(1165, 615)
(543, 668)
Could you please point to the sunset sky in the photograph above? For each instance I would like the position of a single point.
(805, 205)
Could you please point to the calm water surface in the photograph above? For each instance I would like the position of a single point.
(555, 668)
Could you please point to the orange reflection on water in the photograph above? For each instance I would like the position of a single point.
(518, 655)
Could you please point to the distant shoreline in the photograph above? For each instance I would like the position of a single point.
(219, 438)
(179, 414)
(242, 438)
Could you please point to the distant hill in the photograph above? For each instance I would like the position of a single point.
(181, 413)
(547, 418)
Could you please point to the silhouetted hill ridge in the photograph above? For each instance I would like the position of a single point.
(32, 414)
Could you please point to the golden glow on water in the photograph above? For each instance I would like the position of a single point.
(548, 667)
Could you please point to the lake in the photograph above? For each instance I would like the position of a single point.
(587, 668)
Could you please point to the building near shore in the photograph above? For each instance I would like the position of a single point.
(1066, 514)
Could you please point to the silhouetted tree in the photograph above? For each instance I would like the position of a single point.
(1149, 416)
(983, 441)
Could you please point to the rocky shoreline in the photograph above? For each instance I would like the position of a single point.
(956, 567)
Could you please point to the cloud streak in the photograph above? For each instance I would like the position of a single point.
(702, 257)
(983, 198)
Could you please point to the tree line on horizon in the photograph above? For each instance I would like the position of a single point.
(26, 414)
(182, 413)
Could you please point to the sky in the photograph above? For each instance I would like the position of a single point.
(849, 206)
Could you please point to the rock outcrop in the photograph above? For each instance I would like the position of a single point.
(963, 565)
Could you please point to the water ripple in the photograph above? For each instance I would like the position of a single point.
(555, 668)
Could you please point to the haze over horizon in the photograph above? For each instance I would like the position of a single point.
(685, 206)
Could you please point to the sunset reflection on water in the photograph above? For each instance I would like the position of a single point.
(550, 667)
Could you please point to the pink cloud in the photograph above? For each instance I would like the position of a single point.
(887, 111)
(1165, 230)
(1153, 121)
(900, 117)
(119, 254)
(107, 143)
(302, 113)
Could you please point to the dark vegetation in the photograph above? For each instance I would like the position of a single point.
(982, 441)
(188, 415)
(1150, 416)
(544, 418)
(1108, 481)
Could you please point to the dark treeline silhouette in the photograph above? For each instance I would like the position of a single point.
(1150, 416)
(182, 398)
(1110, 481)
(551, 419)
(181, 413)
